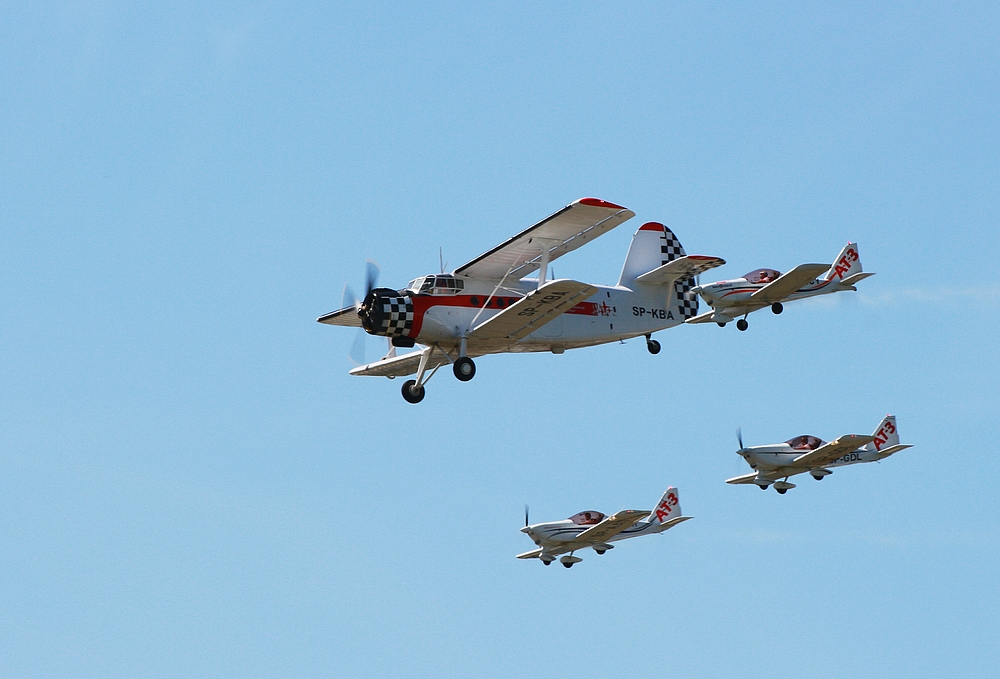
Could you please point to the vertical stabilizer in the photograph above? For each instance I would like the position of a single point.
(669, 507)
(654, 245)
(847, 264)
(886, 435)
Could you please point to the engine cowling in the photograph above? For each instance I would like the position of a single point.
(386, 312)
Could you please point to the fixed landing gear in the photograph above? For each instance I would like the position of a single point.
(464, 369)
(742, 324)
(776, 308)
(569, 560)
(652, 345)
(762, 487)
(411, 392)
(721, 324)
(600, 551)
(781, 491)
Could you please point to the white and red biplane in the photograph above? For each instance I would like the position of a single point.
(488, 305)
(597, 531)
(769, 288)
(776, 462)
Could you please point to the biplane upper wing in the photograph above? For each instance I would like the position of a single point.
(828, 452)
(533, 311)
(397, 366)
(346, 316)
(788, 282)
(612, 526)
(576, 224)
(689, 265)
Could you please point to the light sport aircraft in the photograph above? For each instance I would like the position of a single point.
(488, 305)
(775, 463)
(597, 531)
(766, 287)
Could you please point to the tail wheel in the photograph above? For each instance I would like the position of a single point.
(742, 324)
(464, 369)
(653, 346)
(777, 308)
(411, 392)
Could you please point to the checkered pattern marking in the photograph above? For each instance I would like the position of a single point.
(397, 316)
(687, 301)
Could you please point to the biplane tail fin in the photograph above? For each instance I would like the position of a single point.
(653, 245)
(847, 264)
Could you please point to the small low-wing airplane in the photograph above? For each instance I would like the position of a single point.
(766, 287)
(776, 462)
(597, 531)
(488, 305)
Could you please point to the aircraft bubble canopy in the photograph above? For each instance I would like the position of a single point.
(587, 518)
(805, 442)
(761, 275)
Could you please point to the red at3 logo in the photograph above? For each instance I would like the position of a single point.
(883, 435)
(664, 508)
(844, 265)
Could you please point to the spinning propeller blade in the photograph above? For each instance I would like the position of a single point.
(525, 516)
(357, 352)
(739, 436)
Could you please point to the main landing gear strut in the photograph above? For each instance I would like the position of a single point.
(463, 367)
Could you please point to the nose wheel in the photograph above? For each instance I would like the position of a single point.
(742, 324)
(776, 308)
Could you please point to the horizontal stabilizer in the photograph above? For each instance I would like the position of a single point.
(533, 311)
(886, 452)
(533, 554)
(850, 281)
(689, 265)
(674, 521)
(789, 282)
(710, 317)
(346, 316)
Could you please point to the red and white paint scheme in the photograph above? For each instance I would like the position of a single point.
(489, 305)
(766, 287)
(809, 454)
(597, 531)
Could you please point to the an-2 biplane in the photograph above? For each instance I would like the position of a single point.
(489, 306)
(769, 288)
(774, 463)
(597, 531)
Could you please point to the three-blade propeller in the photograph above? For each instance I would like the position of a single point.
(357, 352)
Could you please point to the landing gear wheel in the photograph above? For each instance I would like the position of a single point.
(762, 487)
(464, 369)
(776, 308)
(600, 551)
(653, 346)
(818, 478)
(721, 325)
(411, 392)
(568, 564)
(742, 324)
(547, 563)
(781, 491)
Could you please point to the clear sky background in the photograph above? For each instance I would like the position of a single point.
(192, 485)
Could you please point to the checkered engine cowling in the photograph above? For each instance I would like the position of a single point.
(386, 312)
(687, 301)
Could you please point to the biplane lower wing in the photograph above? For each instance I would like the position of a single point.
(828, 452)
(398, 366)
(533, 311)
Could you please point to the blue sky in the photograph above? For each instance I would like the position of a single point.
(192, 485)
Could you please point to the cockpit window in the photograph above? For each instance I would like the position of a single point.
(439, 285)
(587, 518)
(804, 443)
(761, 276)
